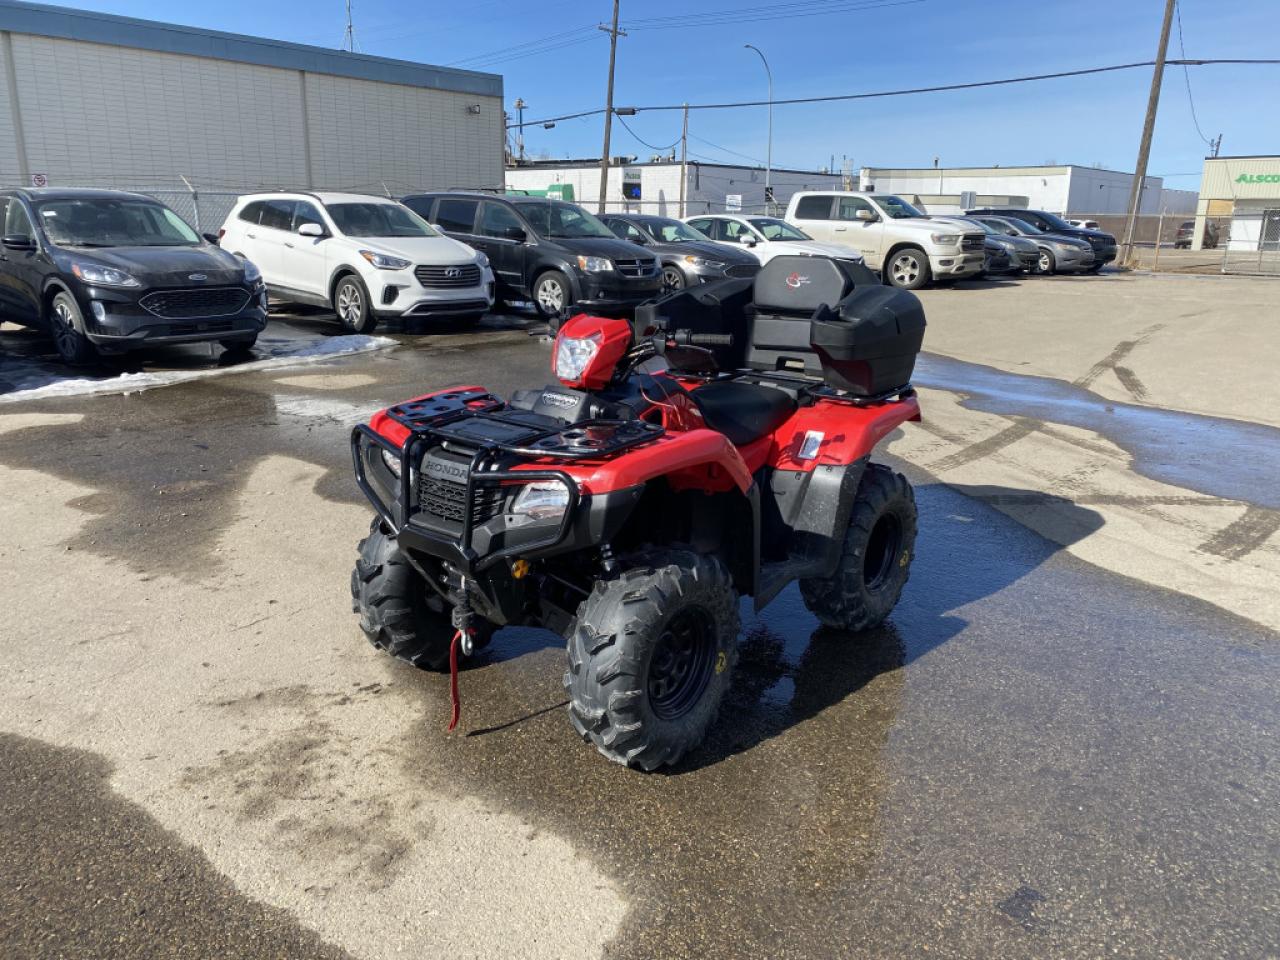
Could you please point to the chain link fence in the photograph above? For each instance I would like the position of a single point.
(1251, 243)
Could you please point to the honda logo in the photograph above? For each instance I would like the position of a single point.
(453, 273)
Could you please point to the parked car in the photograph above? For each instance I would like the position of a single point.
(906, 246)
(1023, 253)
(548, 251)
(107, 272)
(1102, 244)
(996, 260)
(364, 257)
(688, 257)
(766, 237)
(1057, 254)
(1187, 231)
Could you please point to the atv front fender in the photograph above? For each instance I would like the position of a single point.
(697, 459)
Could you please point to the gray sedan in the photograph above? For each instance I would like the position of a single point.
(688, 257)
(1023, 252)
(1057, 253)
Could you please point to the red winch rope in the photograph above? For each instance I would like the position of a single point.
(453, 679)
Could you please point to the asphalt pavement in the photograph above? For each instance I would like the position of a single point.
(1044, 753)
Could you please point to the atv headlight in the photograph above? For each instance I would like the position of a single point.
(542, 500)
(574, 355)
(383, 261)
(595, 264)
(392, 460)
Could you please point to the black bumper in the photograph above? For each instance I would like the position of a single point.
(616, 293)
(475, 543)
(115, 321)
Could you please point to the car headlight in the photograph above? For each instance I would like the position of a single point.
(482, 259)
(542, 500)
(251, 272)
(704, 262)
(945, 239)
(595, 264)
(574, 355)
(384, 262)
(99, 275)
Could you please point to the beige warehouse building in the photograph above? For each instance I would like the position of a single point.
(1245, 190)
(89, 99)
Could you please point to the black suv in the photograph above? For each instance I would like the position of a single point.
(107, 272)
(548, 251)
(1104, 244)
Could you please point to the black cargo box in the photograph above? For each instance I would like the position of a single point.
(832, 319)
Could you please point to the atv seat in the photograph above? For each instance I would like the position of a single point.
(743, 412)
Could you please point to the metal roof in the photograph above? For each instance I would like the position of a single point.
(90, 27)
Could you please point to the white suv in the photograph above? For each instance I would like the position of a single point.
(908, 248)
(365, 257)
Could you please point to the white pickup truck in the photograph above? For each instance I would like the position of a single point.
(906, 246)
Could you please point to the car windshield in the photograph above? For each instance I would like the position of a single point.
(1055, 222)
(378, 220)
(564, 221)
(672, 231)
(896, 208)
(108, 222)
(1023, 227)
(777, 229)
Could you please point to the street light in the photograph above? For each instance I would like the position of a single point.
(768, 162)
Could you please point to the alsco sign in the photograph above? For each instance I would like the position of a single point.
(1258, 178)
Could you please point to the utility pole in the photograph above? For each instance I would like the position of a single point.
(1148, 127)
(1217, 145)
(608, 106)
(684, 159)
(520, 105)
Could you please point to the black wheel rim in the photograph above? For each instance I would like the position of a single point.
(64, 330)
(883, 547)
(682, 662)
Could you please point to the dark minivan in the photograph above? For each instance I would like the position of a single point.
(548, 251)
(107, 272)
(1104, 244)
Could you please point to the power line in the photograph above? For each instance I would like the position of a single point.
(786, 11)
(725, 149)
(646, 142)
(526, 45)
(915, 90)
(1186, 75)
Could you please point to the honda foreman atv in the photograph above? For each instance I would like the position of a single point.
(716, 446)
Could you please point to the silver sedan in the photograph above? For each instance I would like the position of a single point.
(1055, 253)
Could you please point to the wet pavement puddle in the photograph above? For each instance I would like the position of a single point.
(1231, 459)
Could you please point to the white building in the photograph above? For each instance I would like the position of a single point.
(89, 99)
(654, 187)
(1247, 190)
(1069, 189)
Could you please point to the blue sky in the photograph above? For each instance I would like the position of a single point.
(822, 47)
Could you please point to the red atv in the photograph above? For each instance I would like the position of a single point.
(716, 446)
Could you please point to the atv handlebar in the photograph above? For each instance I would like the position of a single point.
(688, 337)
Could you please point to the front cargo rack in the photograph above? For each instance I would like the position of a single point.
(476, 418)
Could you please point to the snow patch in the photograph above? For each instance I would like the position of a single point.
(44, 386)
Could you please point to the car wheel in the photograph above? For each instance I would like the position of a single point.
(67, 326)
(909, 269)
(551, 294)
(351, 304)
(672, 279)
(1047, 264)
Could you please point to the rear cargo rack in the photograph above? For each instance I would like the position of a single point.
(806, 386)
